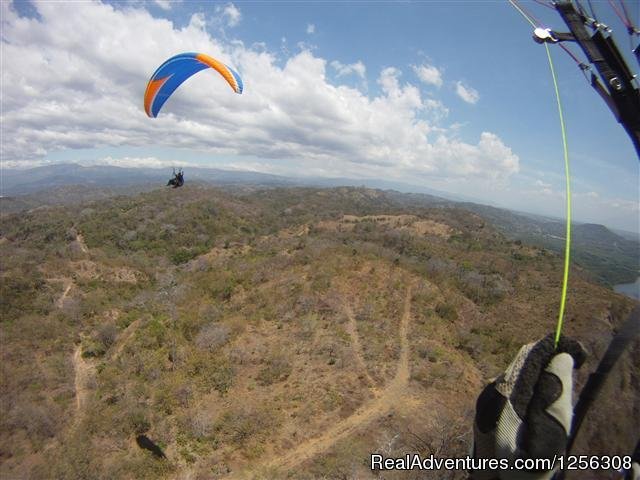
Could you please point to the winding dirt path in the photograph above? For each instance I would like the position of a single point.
(352, 330)
(67, 283)
(385, 401)
(84, 372)
(81, 242)
(124, 338)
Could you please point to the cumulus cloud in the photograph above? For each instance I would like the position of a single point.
(311, 28)
(70, 80)
(467, 93)
(428, 74)
(544, 187)
(163, 4)
(341, 69)
(230, 13)
(437, 111)
(624, 204)
(149, 162)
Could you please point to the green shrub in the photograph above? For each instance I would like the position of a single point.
(241, 424)
(183, 256)
(447, 311)
(278, 368)
(138, 422)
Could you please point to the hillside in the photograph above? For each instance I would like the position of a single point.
(273, 333)
(611, 258)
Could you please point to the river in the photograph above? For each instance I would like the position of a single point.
(629, 289)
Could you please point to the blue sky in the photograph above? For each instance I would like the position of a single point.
(450, 95)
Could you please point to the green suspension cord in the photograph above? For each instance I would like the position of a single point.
(567, 245)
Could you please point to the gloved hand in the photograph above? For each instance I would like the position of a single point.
(527, 411)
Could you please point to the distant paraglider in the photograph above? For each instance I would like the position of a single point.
(177, 180)
(173, 72)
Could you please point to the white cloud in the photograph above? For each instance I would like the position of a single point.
(540, 183)
(70, 80)
(230, 13)
(341, 69)
(149, 162)
(163, 4)
(438, 111)
(311, 28)
(467, 93)
(624, 204)
(429, 74)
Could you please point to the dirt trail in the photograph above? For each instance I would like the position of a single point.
(83, 245)
(124, 338)
(84, 371)
(352, 330)
(385, 401)
(67, 283)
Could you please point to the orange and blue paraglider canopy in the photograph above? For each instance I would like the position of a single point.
(172, 73)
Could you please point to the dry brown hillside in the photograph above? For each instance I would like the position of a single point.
(198, 334)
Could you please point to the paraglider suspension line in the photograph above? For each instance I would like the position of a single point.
(567, 244)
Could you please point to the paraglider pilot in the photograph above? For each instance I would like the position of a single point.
(177, 180)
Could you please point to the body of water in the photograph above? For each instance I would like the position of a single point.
(629, 289)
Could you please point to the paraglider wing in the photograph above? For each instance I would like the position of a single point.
(172, 73)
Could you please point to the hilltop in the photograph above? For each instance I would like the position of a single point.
(273, 333)
(611, 258)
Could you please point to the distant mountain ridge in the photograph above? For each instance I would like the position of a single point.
(21, 182)
(612, 258)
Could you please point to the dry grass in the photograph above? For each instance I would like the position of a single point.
(293, 346)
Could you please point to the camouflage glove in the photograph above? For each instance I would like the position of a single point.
(526, 413)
